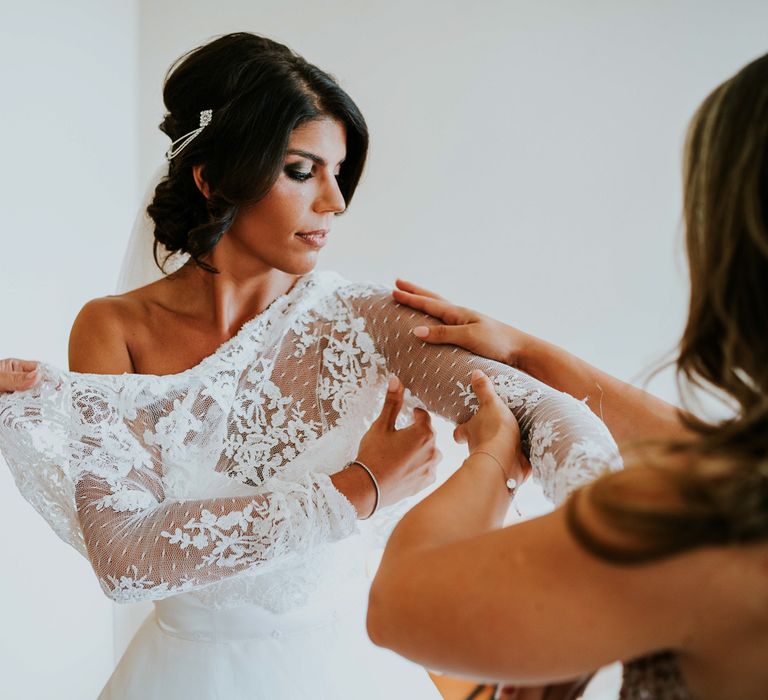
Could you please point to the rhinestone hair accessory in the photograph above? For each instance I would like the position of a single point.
(183, 141)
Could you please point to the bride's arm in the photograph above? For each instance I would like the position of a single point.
(145, 544)
(98, 345)
(566, 444)
(629, 412)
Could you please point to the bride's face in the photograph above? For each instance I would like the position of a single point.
(289, 226)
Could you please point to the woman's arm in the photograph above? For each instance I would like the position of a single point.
(567, 444)
(629, 412)
(526, 604)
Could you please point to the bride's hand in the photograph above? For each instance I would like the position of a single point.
(493, 429)
(403, 461)
(18, 375)
(477, 333)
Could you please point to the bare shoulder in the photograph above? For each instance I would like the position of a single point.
(97, 341)
(724, 587)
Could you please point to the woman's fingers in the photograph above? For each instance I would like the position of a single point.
(439, 308)
(415, 289)
(393, 402)
(444, 335)
(18, 381)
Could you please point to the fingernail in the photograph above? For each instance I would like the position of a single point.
(31, 375)
(476, 374)
(420, 331)
(393, 383)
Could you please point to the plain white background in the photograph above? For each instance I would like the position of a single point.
(525, 160)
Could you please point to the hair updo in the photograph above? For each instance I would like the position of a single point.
(259, 92)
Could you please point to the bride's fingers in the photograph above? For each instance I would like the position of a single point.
(11, 364)
(393, 402)
(407, 286)
(23, 365)
(18, 381)
(482, 387)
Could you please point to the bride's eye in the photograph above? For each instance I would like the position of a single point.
(298, 174)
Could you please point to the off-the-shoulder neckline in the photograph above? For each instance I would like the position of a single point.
(277, 305)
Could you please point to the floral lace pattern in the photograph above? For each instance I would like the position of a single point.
(216, 479)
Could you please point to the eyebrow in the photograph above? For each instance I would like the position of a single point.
(311, 156)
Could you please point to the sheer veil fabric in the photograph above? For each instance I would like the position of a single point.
(138, 268)
(208, 491)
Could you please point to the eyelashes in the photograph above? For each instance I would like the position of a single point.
(302, 175)
(298, 175)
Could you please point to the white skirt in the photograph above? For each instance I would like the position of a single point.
(187, 651)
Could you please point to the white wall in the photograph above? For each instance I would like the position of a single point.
(525, 160)
(68, 184)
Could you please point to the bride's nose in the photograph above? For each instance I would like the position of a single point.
(329, 198)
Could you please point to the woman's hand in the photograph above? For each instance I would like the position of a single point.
(469, 329)
(493, 429)
(18, 375)
(403, 461)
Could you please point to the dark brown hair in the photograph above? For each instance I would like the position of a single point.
(718, 481)
(259, 91)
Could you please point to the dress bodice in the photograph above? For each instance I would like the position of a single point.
(217, 479)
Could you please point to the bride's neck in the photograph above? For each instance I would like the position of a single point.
(234, 295)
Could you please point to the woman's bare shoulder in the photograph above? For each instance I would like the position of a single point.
(98, 339)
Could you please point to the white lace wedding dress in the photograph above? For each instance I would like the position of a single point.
(208, 491)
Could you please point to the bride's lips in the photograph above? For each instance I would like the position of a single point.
(314, 239)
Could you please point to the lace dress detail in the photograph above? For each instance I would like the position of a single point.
(216, 479)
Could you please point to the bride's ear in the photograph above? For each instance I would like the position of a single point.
(202, 185)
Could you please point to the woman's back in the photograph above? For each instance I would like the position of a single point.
(728, 640)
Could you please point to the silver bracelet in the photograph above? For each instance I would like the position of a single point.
(375, 485)
(510, 483)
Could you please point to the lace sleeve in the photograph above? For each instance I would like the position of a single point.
(567, 444)
(144, 546)
(143, 541)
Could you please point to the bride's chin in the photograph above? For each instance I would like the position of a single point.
(300, 266)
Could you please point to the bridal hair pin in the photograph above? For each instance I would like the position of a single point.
(184, 141)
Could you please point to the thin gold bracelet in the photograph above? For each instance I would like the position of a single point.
(510, 483)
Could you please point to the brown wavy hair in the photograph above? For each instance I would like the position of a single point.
(715, 485)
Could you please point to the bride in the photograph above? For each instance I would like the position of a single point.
(212, 448)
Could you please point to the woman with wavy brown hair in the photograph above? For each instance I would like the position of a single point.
(663, 565)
